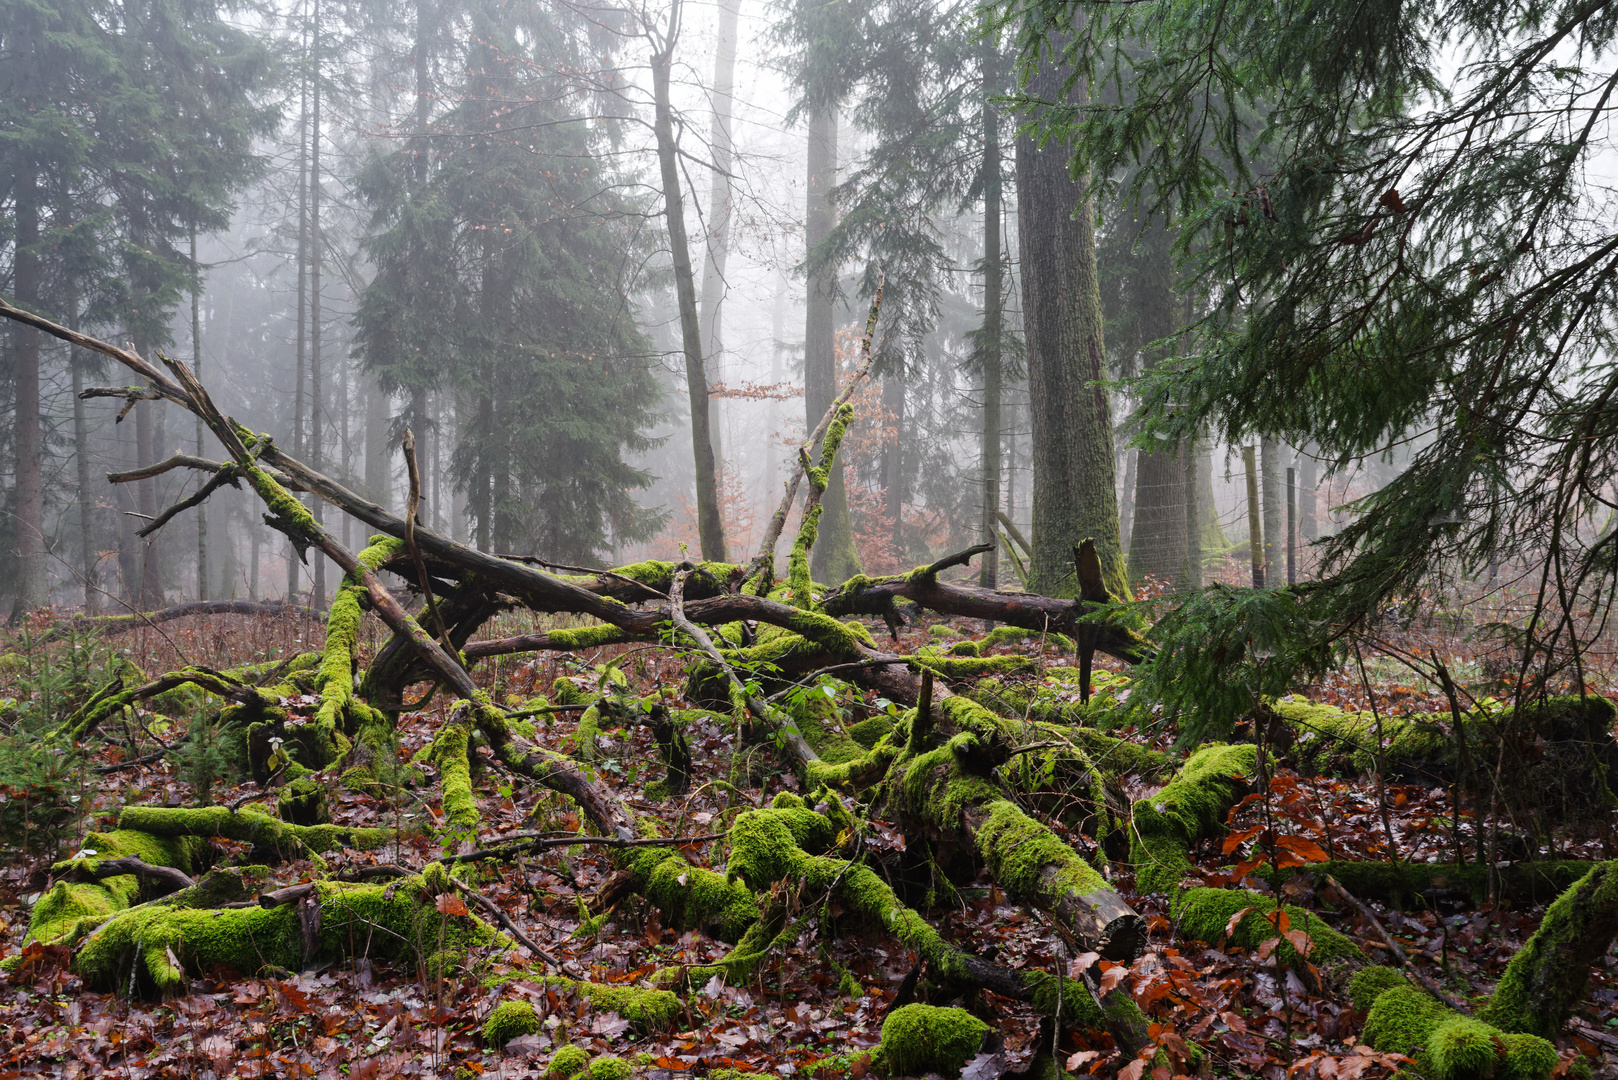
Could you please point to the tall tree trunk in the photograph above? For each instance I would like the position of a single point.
(835, 558)
(196, 367)
(1157, 540)
(378, 463)
(126, 502)
(713, 269)
(710, 528)
(1308, 478)
(1075, 494)
(298, 448)
(1126, 499)
(316, 388)
(893, 474)
(989, 565)
(31, 590)
(1271, 471)
(81, 461)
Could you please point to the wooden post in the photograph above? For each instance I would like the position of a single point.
(1292, 526)
(1255, 530)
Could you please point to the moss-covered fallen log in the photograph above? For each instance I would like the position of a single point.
(1405, 883)
(1558, 751)
(156, 947)
(944, 782)
(1545, 980)
(1189, 809)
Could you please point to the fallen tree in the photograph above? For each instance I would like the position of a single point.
(987, 781)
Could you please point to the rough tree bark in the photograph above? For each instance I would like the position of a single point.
(1075, 496)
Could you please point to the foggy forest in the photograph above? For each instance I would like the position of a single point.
(809, 539)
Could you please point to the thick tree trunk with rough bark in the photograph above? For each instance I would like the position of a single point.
(1075, 496)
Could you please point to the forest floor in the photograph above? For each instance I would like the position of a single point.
(799, 1016)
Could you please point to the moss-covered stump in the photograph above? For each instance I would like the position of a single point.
(1547, 977)
(510, 1020)
(1190, 808)
(303, 802)
(1449, 1046)
(269, 836)
(153, 947)
(919, 1039)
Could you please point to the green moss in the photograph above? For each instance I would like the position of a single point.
(568, 1062)
(1449, 1046)
(509, 1020)
(965, 648)
(450, 749)
(819, 721)
(303, 802)
(71, 908)
(57, 915)
(1547, 977)
(1203, 915)
(250, 825)
(691, 897)
(967, 667)
(769, 845)
(607, 1067)
(1018, 849)
(870, 731)
(942, 632)
(586, 637)
(395, 921)
(566, 692)
(920, 1039)
(1190, 808)
(1369, 983)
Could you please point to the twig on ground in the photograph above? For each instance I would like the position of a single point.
(1415, 973)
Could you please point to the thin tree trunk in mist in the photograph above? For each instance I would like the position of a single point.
(772, 483)
(835, 558)
(148, 449)
(710, 527)
(316, 389)
(989, 565)
(435, 468)
(81, 461)
(713, 270)
(31, 590)
(893, 477)
(1308, 478)
(1075, 493)
(377, 462)
(1193, 516)
(124, 497)
(196, 367)
(1270, 473)
(1126, 501)
(298, 447)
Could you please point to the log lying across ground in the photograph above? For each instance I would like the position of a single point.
(978, 786)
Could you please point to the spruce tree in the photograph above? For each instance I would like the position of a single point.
(498, 257)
